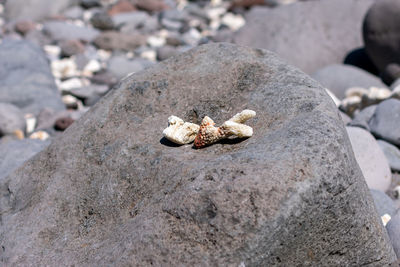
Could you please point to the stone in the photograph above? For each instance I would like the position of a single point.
(392, 154)
(104, 77)
(102, 21)
(345, 118)
(113, 40)
(391, 73)
(120, 66)
(74, 12)
(381, 33)
(370, 158)
(360, 59)
(59, 30)
(385, 122)
(89, 91)
(325, 37)
(11, 119)
(14, 154)
(362, 118)
(166, 51)
(383, 203)
(71, 47)
(120, 195)
(393, 229)
(150, 5)
(122, 6)
(24, 26)
(62, 124)
(90, 3)
(25, 78)
(395, 84)
(338, 78)
(34, 9)
(131, 19)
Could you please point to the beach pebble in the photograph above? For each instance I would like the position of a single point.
(392, 154)
(370, 158)
(385, 123)
(11, 119)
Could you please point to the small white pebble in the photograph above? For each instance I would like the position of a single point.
(64, 68)
(149, 54)
(385, 219)
(41, 135)
(155, 41)
(30, 123)
(52, 50)
(73, 83)
(103, 54)
(91, 67)
(234, 22)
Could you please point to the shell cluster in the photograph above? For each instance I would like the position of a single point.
(207, 133)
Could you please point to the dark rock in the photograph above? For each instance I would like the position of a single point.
(102, 21)
(381, 32)
(390, 73)
(120, 66)
(34, 9)
(119, 41)
(393, 229)
(325, 37)
(150, 5)
(24, 26)
(92, 100)
(383, 203)
(121, 6)
(14, 154)
(25, 78)
(174, 39)
(11, 119)
(121, 196)
(362, 118)
(63, 123)
(166, 51)
(104, 77)
(385, 122)
(359, 58)
(71, 47)
(392, 154)
(338, 78)
(59, 30)
(90, 3)
(225, 35)
(370, 158)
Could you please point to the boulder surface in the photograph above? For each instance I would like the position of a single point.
(111, 191)
(309, 34)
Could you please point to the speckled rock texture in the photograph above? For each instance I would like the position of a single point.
(111, 191)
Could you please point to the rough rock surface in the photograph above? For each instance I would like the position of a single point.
(25, 78)
(111, 191)
(324, 36)
(338, 78)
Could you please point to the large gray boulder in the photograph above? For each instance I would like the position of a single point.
(25, 78)
(35, 9)
(111, 191)
(309, 34)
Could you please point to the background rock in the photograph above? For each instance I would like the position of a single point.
(392, 154)
(119, 41)
(362, 118)
(25, 78)
(325, 36)
(292, 190)
(34, 9)
(338, 78)
(393, 228)
(11, 119)
(120, 66)
(59, 30)
(385, 123)
(383, 203)
(381, 32)
(370, 158)
(14, 153)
